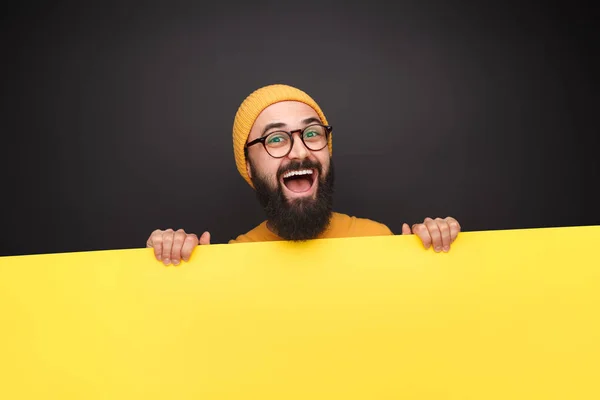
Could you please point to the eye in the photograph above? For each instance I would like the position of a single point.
(277, 138)
(314, 132)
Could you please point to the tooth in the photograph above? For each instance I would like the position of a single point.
(300, 172)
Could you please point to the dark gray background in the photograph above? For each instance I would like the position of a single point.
(117, 116)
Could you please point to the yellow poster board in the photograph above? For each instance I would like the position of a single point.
(504, 315)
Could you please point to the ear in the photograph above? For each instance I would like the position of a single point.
(248, 169)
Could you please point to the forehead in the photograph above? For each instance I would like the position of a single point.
(290, 113)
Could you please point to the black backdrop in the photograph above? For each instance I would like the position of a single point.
(117, 116)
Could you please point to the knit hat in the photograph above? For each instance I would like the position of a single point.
(251, 108)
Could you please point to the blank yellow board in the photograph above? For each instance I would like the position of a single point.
(504, 315)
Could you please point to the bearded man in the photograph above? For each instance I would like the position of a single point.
(282, 144)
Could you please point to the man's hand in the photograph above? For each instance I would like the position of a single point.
(438, 233)
(174, 246)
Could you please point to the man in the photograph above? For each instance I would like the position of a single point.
(282, 145)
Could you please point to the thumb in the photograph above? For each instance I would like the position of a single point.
(205, 238)
(406, 229)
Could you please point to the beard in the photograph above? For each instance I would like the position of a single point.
(296, 219)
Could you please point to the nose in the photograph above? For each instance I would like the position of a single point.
(299, 150)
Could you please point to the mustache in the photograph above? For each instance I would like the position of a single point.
(296, 165)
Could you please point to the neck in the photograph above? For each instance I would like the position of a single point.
(271, 229)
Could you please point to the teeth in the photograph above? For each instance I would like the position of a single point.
(301, 172)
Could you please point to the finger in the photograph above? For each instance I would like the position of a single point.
(445, 232)
(178, 239)
(454, 228)
(205, 238)
(405, 229)
(189, 244)
(155, 241)
(434, 232)
(421, 231)
(167, 245)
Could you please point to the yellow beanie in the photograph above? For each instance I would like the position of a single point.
(251, 108)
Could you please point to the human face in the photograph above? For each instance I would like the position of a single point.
(288, 116)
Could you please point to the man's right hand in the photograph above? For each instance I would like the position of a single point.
(173, 246)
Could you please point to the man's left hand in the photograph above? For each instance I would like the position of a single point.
(438, 233)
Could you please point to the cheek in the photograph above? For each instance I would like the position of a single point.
(323, 158)
(267, 168)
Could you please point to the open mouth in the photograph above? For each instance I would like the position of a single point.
(299, 181)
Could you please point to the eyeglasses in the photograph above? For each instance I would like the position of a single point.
(279, 143)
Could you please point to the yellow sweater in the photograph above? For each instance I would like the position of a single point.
(341, 226)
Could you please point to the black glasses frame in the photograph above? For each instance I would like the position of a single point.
(328, 130)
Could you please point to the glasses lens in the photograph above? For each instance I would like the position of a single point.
(315, 137)
(278, 144)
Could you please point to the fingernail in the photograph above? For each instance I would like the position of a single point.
(166, 261)
(446, 248)
(175, 262)
(438, 249)
(159, 258)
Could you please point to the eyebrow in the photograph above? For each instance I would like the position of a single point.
(273, 125)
